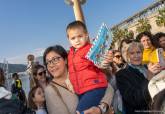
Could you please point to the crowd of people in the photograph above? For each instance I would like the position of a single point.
(130, 80)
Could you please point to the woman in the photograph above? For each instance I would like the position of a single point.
(123, 47)
(118, 60)
(133, 81)
(159, 40)
(59, 96)
(39, 74)
(149, 52)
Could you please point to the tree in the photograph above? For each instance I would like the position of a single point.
(128, 34)
(119, 34)
(143, 25)
(160, 21)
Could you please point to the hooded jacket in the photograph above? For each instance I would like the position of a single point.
(5, 93)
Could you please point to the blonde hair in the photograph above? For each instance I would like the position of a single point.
(134, 45)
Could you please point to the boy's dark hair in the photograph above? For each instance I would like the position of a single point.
(76, 24)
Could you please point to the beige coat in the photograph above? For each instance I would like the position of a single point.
(56, 105)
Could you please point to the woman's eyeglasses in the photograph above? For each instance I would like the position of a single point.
(118, 56)
(53, 61)
(42, 73)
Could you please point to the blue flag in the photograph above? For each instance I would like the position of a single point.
(100, 45)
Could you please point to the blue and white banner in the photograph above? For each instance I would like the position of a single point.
(100, 45)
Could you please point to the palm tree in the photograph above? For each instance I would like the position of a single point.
(119, 34)
(128, 34)
(161, 18)
(143, 25)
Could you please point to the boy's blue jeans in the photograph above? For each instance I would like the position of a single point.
(90, 98)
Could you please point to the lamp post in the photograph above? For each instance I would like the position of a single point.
(29, 70)
(77, 8)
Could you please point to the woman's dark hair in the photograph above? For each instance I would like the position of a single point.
(57, 49)
(156, 39)
(2, 77)
(159, 103)
(36, 68)
(145, 33)
(127, 41)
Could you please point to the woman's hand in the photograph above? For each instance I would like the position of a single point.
(96, 110)
(108, 58)
(92, 110)
(153, 69)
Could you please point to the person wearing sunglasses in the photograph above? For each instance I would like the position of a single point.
(39, 74)
(118, 60)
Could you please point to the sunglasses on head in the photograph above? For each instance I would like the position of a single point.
(41, 73)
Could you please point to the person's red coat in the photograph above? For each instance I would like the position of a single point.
(83, 74)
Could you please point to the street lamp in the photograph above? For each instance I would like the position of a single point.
(77, 8)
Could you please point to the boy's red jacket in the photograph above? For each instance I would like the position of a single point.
(83, 74)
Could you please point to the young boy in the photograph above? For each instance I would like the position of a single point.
(89, 82)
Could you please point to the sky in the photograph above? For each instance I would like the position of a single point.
(30, 26)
